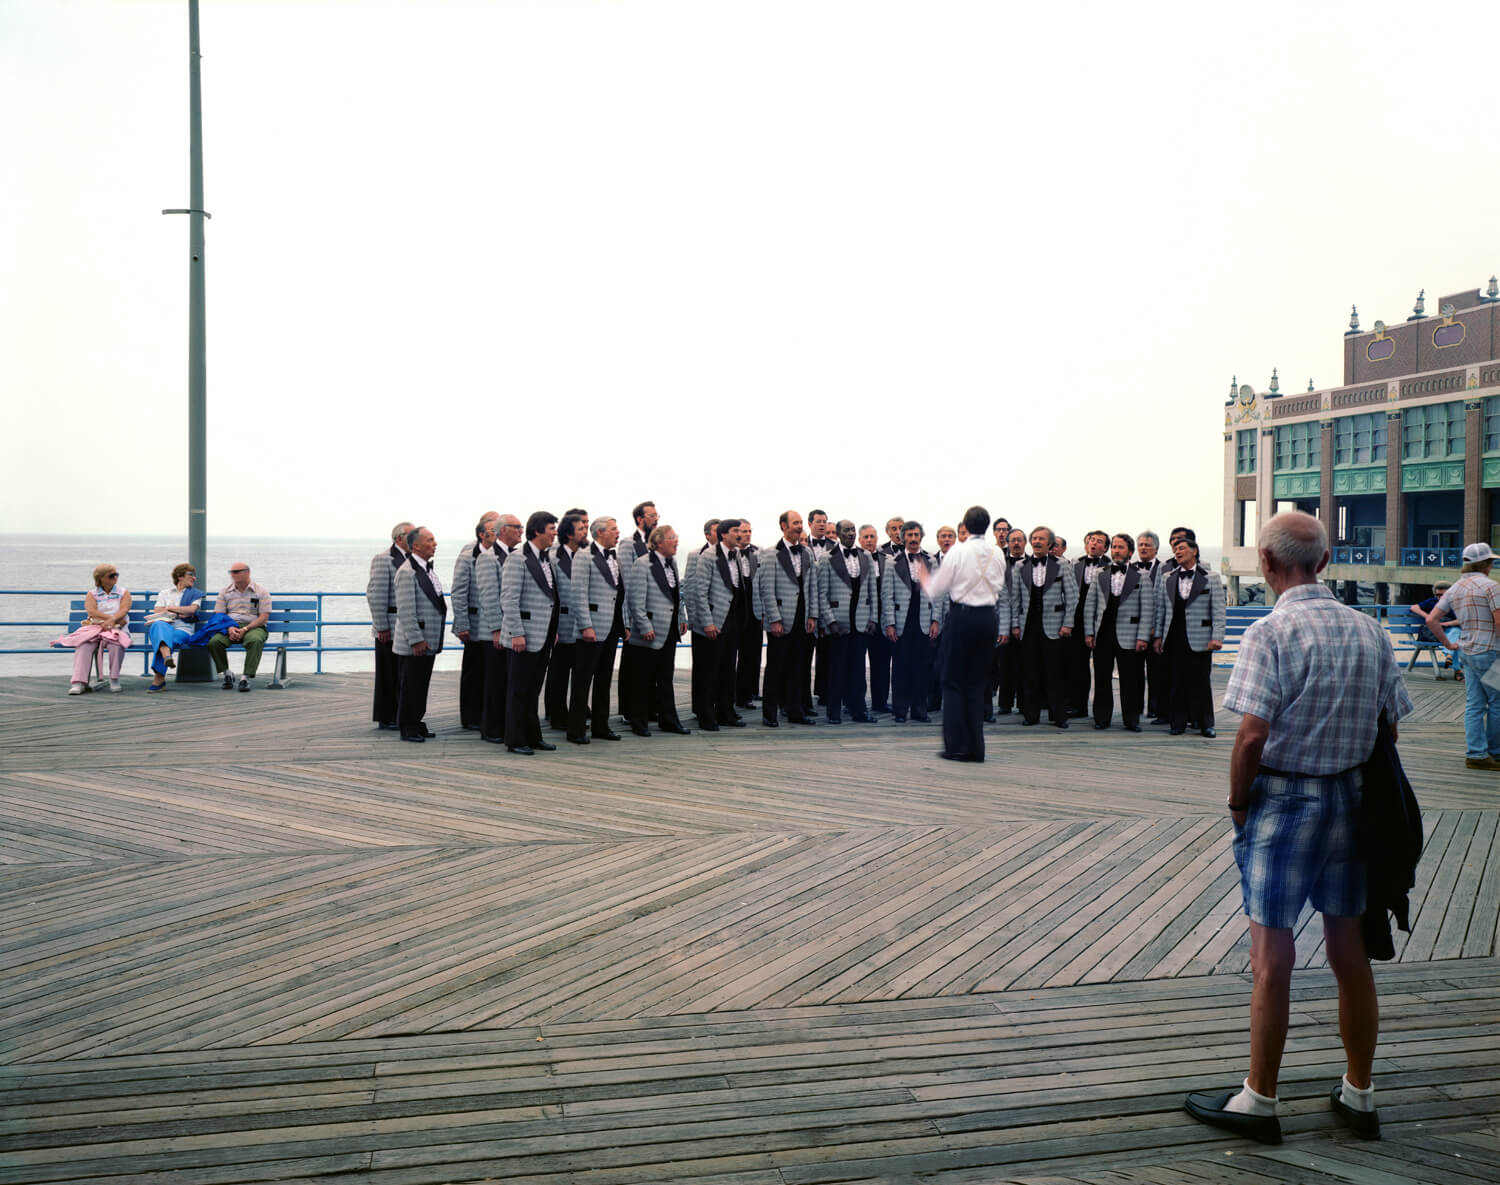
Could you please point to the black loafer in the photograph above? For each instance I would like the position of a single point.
(578, 740)
(415, 738)
(771, 723)
(1364, 1124)
(677, 728)
(640, 730)
(427, 732)
(947, 756)
(1210, 733)
(710, 726)
(607, 735)
(521, 750)
(389, 726)
(1132, 728)
(1099, 727)
(1209, 1108)
(544, 746)
(492, 740)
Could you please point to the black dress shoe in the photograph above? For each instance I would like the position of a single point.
(1209, 1108)
(989, 718)
(1060, 724)
(544, 746)
(1157, 720)
(492, 740)
(522, 750)
(1029, 723)
(607, 735)
(426, 732)
(921, 718)
(1176, 732)
(471, 728)
(834, 720)
(415, 737)
(807, 720)
(947, 756)
(677, 728)
(862, 718)
(1210, 733)
(770, 723)
(389, 726)
(639, 729)
(1003, 712)
(899, 719)
(1364, 1124)
(706, 726)
(578, 740)
(1132, 728)
(736, 722)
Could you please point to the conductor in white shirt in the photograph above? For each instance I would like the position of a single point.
(973, 578)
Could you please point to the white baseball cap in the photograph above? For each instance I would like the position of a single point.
(1477, 553)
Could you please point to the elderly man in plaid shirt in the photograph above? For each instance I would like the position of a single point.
(1311, 681)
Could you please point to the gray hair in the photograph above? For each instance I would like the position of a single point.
(400, 531)
(1295, 541)
(599, 526)
(1151, 535)
(1442, 586)
(412, 536)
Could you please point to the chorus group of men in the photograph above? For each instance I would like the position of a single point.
(849, 625)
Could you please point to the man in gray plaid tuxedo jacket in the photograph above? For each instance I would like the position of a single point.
(785, 599)
(1044, 595)
(598, 592)
(417, 637)
(529, 613)
(646, 520)
(703, 660)
(571, 549)
(653, 600)
(1085, 569)
(849, 612)
(752, 633)
(718, 597)
(380, 596)
(485, 591)
(1119, 614)
(912, 623)
(465, 602)
(1189, 628)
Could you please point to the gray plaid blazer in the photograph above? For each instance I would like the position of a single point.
(566, 565)
(462, 593)
(421, 612)
(836, 594)
(651, 601)
(380, 589)
(526, 599)
(1135, 618)
(1059, 596)
(485, 591)
(899, 587)
(1204, 613)
(707, 592)
(594, 592)
(777, 585)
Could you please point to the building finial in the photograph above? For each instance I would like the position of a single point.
(1353, 321)
(1234, 386)
(1493, 291)
(1275, 383)
(1419, 310)
(1310, 386)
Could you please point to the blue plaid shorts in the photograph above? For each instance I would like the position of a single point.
(1300, 843)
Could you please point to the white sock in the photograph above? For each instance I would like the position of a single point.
(1247, 1102)
(1354, 1098)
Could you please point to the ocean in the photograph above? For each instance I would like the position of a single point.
(63, 565)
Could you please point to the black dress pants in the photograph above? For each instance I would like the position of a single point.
(911, 671)
(1158, 684)
(1131, 663)
(706, 652)
(1042, 677)
(416, 677)
(496, 691)
(881, 651)
(724, 683)
(559, 671)
(783, 682)
(970, 630)
(1192, 695)
(471, 684)
(1077, 668)
(387, 684)
(747, 662)
(528, 671)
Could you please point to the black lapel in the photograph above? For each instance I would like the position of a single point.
(535, 567)
(475, 552)
(420, 570)
(783, 553)
(601, 561)
(1200, 585)
(840, 568)
(903, 569)
(565, 561)
(1132, 578)
(724, 568)
(660, 572)
(398, 557)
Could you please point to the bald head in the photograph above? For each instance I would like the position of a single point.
(1293, 544)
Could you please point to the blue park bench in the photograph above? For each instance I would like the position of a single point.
(286, 618)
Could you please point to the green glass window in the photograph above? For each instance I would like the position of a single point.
(1492, 424)
(1359, 440)
(1433, 433)
(1298, 446)
(1244, 450)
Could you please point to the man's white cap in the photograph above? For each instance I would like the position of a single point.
(1477, 553)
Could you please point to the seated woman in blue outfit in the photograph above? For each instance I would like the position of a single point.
(170, 621)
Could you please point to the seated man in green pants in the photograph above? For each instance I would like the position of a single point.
(250, 606)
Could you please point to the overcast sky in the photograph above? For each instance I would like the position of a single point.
(874, 257)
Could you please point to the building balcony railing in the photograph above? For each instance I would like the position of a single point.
(1359, 555)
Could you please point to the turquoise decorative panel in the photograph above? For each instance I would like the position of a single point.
(1306, 484)
(1365, 479)
(1491, 472)
(1433, 475)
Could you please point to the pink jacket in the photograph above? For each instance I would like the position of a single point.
(88, 632)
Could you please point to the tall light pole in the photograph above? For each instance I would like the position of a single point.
(194, 665)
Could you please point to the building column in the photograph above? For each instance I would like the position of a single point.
(1476, 520)
(1325, 482)
(1395, 505)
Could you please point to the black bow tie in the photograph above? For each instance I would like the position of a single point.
(427, 564)
(848, 553)
(609, 553)
(733, 553)
(1117, 567)
(1143, 563)
(796, 549)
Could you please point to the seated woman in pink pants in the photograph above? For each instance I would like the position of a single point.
(108, 609)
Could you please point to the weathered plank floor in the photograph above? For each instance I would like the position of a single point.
(248, 938)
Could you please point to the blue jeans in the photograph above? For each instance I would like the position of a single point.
(1481, 707)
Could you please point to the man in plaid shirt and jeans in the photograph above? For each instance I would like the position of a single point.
(1475, 602)
(1311, 681)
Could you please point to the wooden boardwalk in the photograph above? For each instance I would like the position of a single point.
(248, 938)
